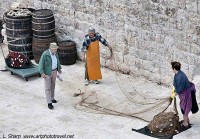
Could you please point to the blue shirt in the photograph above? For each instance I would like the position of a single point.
(54, 60)
(181, 82)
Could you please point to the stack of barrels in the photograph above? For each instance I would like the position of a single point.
(32, 34)
(43, 26)
(67, 52)
(19, 32)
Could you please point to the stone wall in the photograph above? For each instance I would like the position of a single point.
(146, 35)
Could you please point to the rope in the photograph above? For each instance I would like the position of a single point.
(22, 52)
(16, 38)
(21, 45)
(8, 42)
(43, 30)
(28, 29)
(143, 97)
(6, 18)
(43, 23)
(104, 110)
(44, 36)
(42, 17)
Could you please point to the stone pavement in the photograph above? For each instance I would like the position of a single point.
(23, 108)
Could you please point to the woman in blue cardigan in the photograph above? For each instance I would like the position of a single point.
(183, 88)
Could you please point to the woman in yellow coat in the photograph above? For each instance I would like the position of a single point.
(90, 50)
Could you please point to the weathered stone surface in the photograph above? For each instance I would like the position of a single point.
(146, 35)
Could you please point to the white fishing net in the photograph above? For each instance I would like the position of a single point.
(129, 102)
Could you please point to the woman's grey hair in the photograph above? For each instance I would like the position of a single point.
(91, 30)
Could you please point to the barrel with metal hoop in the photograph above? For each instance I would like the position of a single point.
(19, 33)
(67, 52)
(43, 24)
(40, 45)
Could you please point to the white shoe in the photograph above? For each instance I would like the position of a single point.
(86, 82)
(96, 82)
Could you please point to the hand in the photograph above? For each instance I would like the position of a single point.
(173, 94)
(43, 75)
(173, 90)
(59, 71)
(83, 56)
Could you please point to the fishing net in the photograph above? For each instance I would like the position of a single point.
(130, 104)
(127, 101)
(165, 124)
(17, 60)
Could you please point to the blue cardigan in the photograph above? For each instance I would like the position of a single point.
(181, 82)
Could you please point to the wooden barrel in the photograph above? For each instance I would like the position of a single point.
(43, 24)
(67, 52)
(19, 34)
(40, 45)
